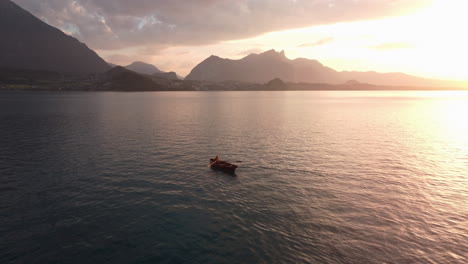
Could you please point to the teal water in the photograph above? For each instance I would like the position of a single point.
(325, 177)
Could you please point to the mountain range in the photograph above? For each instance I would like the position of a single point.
(263, 67)
(28, 43)
(35, 54)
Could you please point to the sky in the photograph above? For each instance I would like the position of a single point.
(420, 37)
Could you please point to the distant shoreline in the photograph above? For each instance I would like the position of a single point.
(121, 79)
(292, 90)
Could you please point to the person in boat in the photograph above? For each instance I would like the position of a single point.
(216, 159)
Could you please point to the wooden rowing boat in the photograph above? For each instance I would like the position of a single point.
(217, 164)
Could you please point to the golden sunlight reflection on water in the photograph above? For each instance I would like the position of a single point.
(326, 177)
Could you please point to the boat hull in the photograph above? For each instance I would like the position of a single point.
(223, 166)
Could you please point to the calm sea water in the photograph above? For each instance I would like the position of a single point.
(325, 177)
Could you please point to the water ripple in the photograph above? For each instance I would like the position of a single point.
(325, 178)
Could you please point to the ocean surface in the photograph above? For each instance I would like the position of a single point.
(324, 177)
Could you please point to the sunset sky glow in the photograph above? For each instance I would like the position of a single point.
(424, 38)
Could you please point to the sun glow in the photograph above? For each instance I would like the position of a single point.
(430, 43)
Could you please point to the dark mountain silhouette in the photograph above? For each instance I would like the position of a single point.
(28, 43)
(253, 68)
(269, 65)
(122, 79)
(276, 84)
(115, 79)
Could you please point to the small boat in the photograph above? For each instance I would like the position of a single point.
(217, 164)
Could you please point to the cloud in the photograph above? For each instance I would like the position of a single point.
(120, 24)
(392, 46)
(317, 43)
(250, 51)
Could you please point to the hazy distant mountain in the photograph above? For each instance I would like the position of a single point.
(146, 68)
(167, 75)
(143, 68)
(269, 65)
(28, 43)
